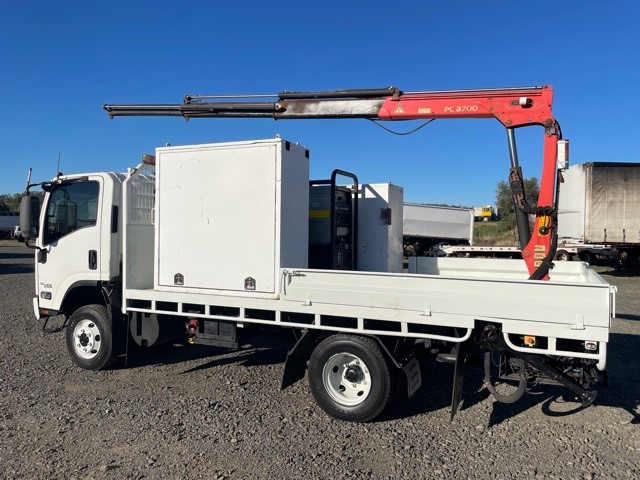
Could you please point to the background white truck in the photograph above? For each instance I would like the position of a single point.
(598, 216)
(486, 213)
(7, 225)
(599, 212)
(424, 226)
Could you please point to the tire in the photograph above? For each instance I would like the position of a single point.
(504, 376)
(585, 256)
(562, 256)
(90, 338)
(367, 393)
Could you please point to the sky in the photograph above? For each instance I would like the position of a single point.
(61, 61)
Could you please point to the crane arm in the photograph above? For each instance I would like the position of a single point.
(513, 107)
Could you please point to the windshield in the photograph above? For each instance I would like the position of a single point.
(71, 206)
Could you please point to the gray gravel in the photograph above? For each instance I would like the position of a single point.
(198, 412)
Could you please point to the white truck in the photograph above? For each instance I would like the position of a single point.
(8, 225)
(109, 260)
(425, 226)
(486, 213)
(599, 212)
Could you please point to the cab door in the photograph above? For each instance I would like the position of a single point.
(70, 240)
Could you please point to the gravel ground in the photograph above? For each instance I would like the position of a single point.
(201, 412)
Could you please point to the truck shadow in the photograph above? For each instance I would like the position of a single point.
(27, 254)
(259, 351)
(623, 391)
(435, 394)
(249, 357)
(557, 402)
(623, 271)
(13, 268)
(16, 262)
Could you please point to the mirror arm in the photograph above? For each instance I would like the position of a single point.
(32, 247)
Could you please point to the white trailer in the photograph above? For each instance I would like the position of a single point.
(7, 225)
(212, 240)
(599, 211)
(447, 250)
(598, 215)
(425, 226)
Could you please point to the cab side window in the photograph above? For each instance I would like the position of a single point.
(71, 206)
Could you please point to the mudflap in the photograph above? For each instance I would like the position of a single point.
(412, 370)
(461, 352)
(112, 301)
(296, 364)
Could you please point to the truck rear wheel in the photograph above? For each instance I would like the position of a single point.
(89, 338)
(563, 256)
(585, 256)
(350, 378)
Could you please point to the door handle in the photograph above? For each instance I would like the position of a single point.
(93, 260)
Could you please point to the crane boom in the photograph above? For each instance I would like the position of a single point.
(513, 107)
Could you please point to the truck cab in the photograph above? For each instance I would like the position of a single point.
(484, 214)
(78, 245)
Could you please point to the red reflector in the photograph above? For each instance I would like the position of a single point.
(192, 326)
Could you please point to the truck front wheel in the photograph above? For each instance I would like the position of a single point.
(350, 378)
(563, 256)
(90, 338)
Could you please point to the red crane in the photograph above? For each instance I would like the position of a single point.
(513, 107)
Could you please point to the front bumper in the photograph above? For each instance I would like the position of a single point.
(36, 308)
(42, 312)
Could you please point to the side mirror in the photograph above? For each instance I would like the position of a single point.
(29, 214)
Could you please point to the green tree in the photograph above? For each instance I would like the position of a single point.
(504, 200)
(10, 202)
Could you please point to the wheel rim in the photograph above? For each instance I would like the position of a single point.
(346, 379)
(86, 339)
